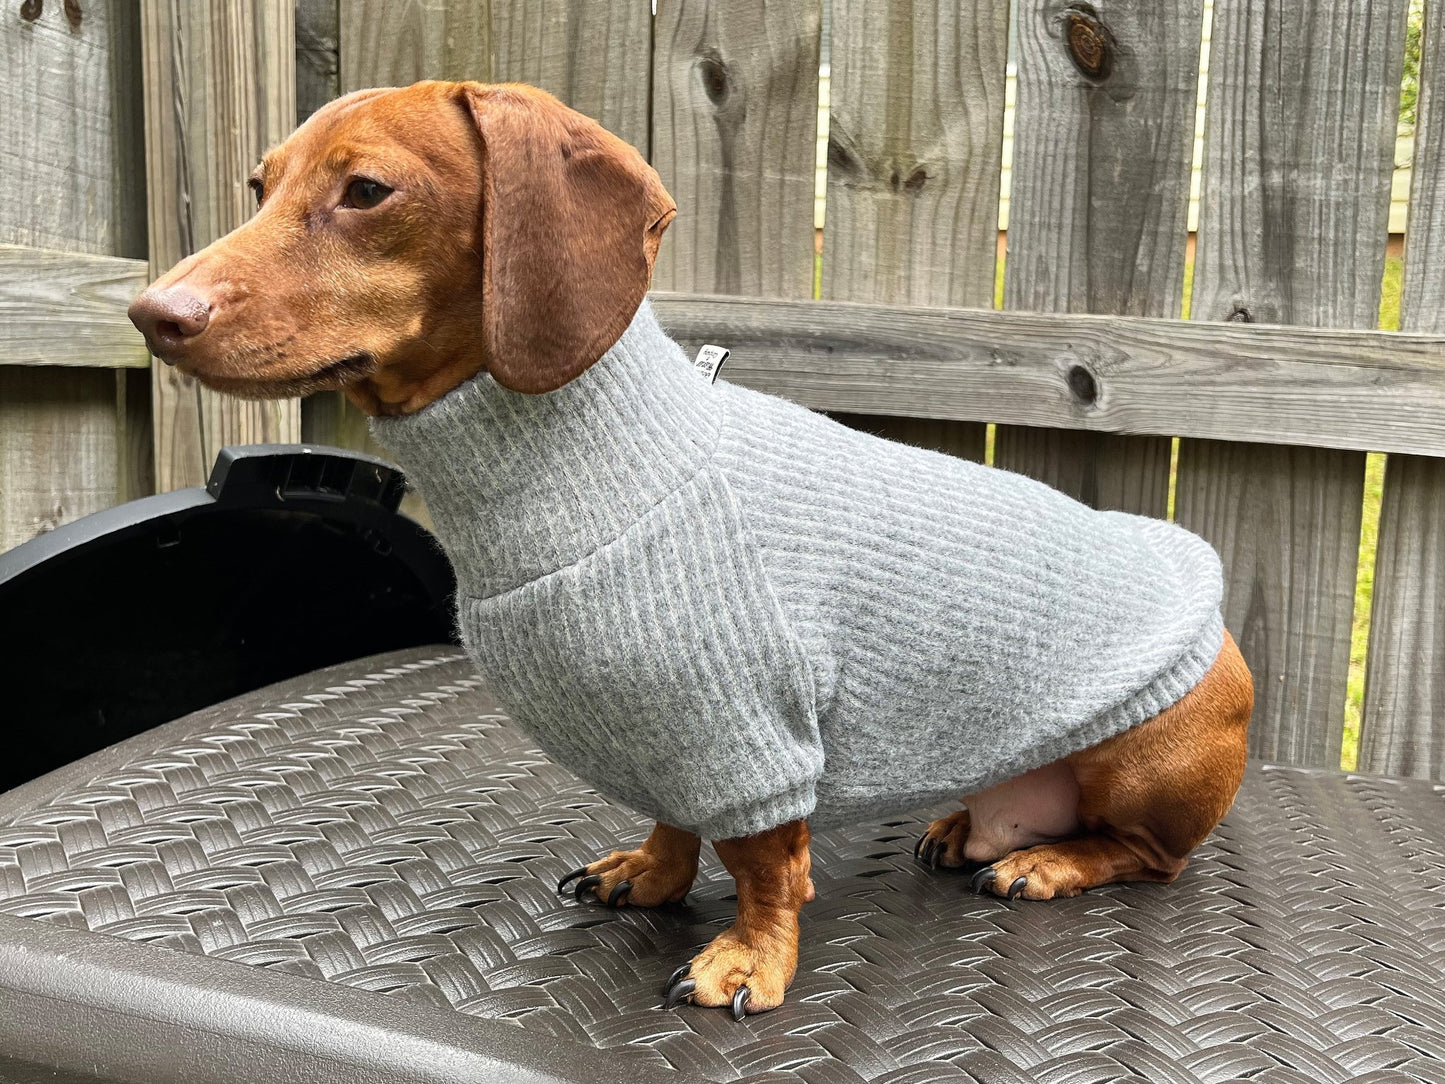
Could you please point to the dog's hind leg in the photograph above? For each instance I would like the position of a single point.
(660, 871)
(1147, 797)
(1035, 807)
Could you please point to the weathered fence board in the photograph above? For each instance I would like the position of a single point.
(1280, 385)
(68, 308)
(220, 85)
(1403, 727)
(915, 138)
(734, 123)
(594, 56)
(1098, 211)
(1129, 473)
(392, 43)
(70, 131)
(1299, 145)
(58, 448)
(72, 162)
(318, 55)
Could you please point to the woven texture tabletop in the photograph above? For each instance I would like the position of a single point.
(380, 824)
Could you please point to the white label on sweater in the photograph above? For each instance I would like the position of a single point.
(709, 360)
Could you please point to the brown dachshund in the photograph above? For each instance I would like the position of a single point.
(409, 240)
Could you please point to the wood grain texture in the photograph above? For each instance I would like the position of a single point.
(1318, 387)
(220, 87)
(392, 43)
(1299, 145)
(1403, 726)
(135, 463)
(1262, 505)
(594, 56)
(63, 308)
(1103, 137)
(70, 146)
(318, 55)
(915, 140)
(1124, 473)
(58, 448)
(734, 124)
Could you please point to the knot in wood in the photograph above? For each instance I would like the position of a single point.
(31, 10)
(1091, 46)
(73, 14)
(1083, 385)
(715, 81)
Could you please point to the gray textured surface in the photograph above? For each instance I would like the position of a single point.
(378, 824)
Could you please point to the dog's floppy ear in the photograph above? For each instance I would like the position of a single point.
(571, 220)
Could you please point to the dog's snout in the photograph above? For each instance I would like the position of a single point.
(169, 317)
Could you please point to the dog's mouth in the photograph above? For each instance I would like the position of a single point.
(330, 376)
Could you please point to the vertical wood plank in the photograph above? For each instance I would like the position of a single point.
(915, 141)
(220, 87)
(1403, 727)
(1103, 138)
(1286, 523)
(1299, 147)
(318, 55)
(72, 165)
(1104, 471)
(392, 43)
(595, 56)
(734, 124)
(70, 132)
(58, 451)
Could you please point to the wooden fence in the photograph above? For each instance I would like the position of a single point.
(1275, 388)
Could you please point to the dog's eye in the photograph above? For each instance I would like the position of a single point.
(255, 187)
(364, 194)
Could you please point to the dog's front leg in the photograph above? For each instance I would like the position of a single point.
(749, 966)
(660, 871)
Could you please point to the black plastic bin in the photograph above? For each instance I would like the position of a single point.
(291, 558)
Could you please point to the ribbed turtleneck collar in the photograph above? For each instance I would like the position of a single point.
(521, 485)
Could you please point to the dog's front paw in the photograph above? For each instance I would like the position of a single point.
(748, 975)
(643, 878)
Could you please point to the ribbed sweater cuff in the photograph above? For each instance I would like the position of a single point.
(759, 814)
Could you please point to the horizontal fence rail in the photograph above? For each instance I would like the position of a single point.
(68, 308)
(1318, 387)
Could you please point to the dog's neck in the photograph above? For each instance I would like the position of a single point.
(520, 486)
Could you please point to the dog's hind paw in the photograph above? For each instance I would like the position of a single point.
(942, 842)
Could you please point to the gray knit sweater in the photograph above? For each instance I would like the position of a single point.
(730, 612)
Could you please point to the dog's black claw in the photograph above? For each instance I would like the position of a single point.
(1016, 889)
(675, 978)
(983, 878)
(680, 992)
(918, 847)
(591, 881)
(740, 1002)
(623, 887)
(565, 881)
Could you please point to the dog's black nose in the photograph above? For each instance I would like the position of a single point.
(169, 318)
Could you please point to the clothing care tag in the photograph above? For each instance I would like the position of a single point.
(709, 360)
